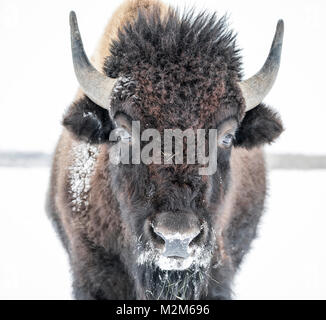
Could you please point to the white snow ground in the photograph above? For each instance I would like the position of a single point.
(287, 261)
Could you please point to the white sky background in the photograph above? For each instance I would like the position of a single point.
(37, 80)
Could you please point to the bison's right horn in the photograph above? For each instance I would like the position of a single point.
(96, 86)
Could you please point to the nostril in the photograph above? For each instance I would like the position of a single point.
(155, 236)
(198, 238)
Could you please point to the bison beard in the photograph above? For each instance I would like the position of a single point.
(160, 284)
(164, 282)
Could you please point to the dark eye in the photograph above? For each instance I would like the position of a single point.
(123, 130)
(122, 134)
(226, 140)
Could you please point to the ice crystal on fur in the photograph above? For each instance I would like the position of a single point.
(80, 173)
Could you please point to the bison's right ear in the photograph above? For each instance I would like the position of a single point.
(88, 122)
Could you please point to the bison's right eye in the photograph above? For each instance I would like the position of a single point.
(123, 130)
(123, 135)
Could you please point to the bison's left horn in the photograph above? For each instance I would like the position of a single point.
(257, 87)
(96, 86)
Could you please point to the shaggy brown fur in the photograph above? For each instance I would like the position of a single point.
(172, 72)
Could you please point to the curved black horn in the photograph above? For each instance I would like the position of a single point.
(257, 87)
(96, 86)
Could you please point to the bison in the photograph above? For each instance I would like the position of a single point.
(150, 230)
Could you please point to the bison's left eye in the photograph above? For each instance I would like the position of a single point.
(226, 140)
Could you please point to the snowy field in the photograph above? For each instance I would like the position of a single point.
(287, 261)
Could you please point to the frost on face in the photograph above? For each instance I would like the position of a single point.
(169, 278)
(84, 158)
(124, 87)
(122, 84)
(199, 257)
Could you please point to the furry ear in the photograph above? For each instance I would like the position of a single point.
(259, 126)
(88, 122)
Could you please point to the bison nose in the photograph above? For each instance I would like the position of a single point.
(176, 244)
(177, 231)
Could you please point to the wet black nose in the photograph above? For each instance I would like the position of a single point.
(178, 232)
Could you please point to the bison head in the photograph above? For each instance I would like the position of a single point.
(171, 72)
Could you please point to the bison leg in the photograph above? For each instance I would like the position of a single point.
(98, 274)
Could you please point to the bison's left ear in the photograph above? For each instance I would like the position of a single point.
(260, 125)
(88, 122)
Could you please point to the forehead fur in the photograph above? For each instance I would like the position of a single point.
(183, 69)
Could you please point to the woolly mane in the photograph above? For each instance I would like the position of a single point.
(180, 70)
(158, 39)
